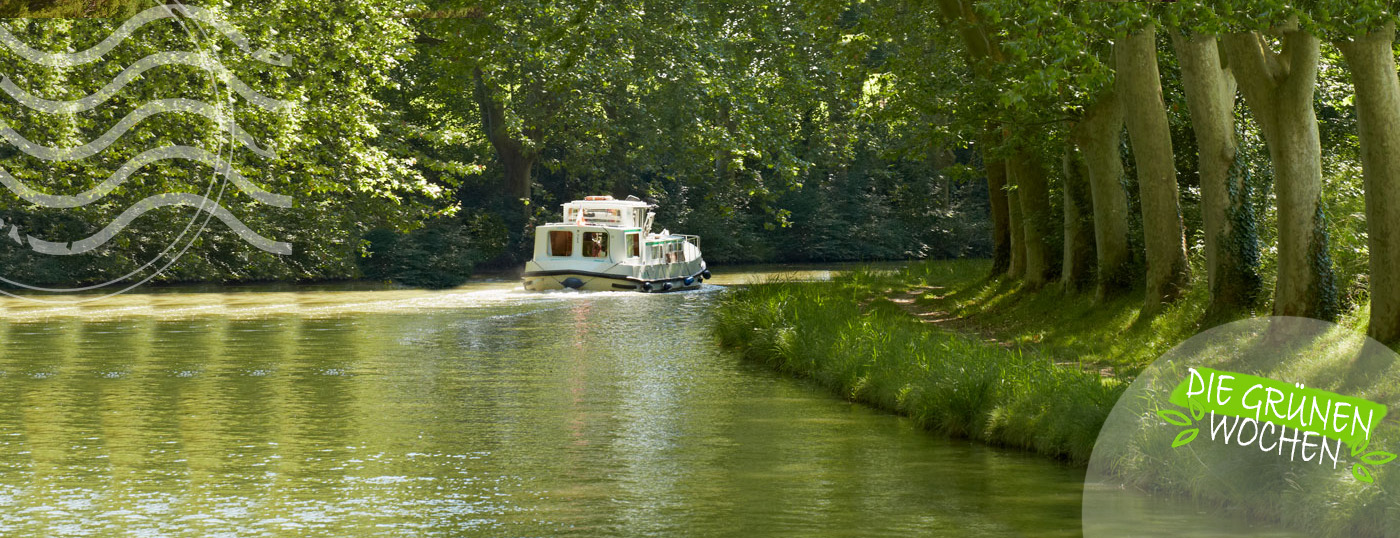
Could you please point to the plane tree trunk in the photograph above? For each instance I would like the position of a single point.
(1098, 135)
(1139, 85)
(1001, 218)
(1231, 246)
(1008, 250)
(1077, 265)
(1278, 88)
(1016, 226)
(1371, 59)
(1033, 194)
(516, 156)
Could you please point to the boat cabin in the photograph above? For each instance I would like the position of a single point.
(601, 228)
(602, 237)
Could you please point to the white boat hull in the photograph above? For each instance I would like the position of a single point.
(607, 245)
(678, 276)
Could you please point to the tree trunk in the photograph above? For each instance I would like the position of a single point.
(1140, 87)
(1231, 246)
(1033, 194)
(1278, 87)
(519, 169)
(1016, 225)
(942, 157)
(1001, 219)
(1008, 250)
(1098, 135)
(517, 160)
(1077, 265)
(1372, 62)
(980, 45)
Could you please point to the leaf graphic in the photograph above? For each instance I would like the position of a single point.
(1362, 473)
(1186, 436)
(1356, 450)
(1198, 411)
(1379, 457)
(1174, 417)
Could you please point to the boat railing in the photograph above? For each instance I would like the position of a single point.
(692, 239)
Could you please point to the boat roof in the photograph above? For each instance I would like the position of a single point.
(607, 202)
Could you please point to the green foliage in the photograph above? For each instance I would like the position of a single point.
(71, 8)
(1057, 59)
(330, 156)
(812, 130)
(441, 254)
(1343, 189)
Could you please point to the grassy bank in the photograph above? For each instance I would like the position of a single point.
(980, 358)
(964, 354)
(850, 336)
(1077, 328)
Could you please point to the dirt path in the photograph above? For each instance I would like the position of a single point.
(908, 301)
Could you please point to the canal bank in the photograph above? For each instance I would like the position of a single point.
(978, 358)
(847, 335)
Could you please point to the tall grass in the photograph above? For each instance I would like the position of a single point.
(1049, 398)
(846, 336)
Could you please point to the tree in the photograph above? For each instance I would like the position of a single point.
(1231, 248)
(1139, 84)
(1278, 88)
(1369, 49)
(517, 151)
(1098, 135)
(1078, 265)
(1055, 84)
(329, 157)
(995, 170)
(533, 71)
(982, 49)
(1033, 194)
(1017, 231)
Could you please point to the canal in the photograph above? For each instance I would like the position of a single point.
(481, 411)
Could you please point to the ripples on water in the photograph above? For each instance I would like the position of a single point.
(480, 411)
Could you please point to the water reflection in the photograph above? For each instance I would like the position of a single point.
(483, 412)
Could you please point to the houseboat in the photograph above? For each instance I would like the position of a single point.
(607, 244)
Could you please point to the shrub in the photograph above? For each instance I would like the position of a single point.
(441, 254)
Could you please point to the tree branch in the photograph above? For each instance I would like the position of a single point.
(1247, 58)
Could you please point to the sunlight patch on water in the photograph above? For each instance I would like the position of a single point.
(345, 299)
(310, 304)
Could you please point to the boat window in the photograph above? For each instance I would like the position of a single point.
(561, 243)
(602, 216)
(634, 245)
(595, 244)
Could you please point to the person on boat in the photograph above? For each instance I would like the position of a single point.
(594, 247)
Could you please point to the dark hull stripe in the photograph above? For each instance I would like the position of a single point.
(528, 274)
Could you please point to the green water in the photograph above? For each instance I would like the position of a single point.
(483, 411)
